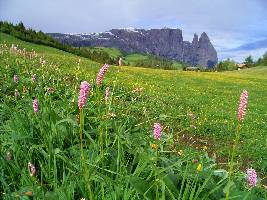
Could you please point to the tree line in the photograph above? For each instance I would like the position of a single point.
(229, 65)
(38, 37)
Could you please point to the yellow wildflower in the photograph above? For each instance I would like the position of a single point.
(154, 146)
(199, 167)
(180, 153)
(24, 89)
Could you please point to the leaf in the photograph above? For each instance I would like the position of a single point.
(66, 120)
(221, 173)
(228, 186)
(169, 181)
(57, 150)
(142, 186)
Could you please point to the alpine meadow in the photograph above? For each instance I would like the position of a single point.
(129, 114)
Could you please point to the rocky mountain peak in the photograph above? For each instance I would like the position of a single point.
(195, 41)
(204, 36)
(166, 42)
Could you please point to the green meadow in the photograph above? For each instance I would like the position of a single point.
(131, 59)
(117, 156)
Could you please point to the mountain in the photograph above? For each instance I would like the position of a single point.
(167, 43)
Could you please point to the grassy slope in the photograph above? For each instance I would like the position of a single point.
(135, 57)
(129, 58)
(212, 97)
(113, 52)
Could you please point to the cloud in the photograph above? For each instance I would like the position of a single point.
(229, 23)
(253, 45)
(240, 55)
(101, 15)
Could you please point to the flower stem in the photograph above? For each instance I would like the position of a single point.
(83, 164)
(231, 165)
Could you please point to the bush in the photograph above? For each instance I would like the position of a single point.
(262, 60)
(226, 65)
(249, 61)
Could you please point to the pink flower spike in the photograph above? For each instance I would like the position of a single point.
(242, 105)
(107, 95)
(16, 93)
(252, 177)
(101, 73)
(33, 77)
(35, 105)
(32, 169)
(84, 91)
(157, 131)
(16, 78)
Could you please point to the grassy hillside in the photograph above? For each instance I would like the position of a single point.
(197, 112)
(135, 57)
(138, 59)
(113, 52)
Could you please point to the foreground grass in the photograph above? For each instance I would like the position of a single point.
(167, 96)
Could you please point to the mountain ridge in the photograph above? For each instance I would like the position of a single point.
(167, 43)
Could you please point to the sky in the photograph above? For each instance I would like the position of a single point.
(237, 28)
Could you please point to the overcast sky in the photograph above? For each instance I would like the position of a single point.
(237, 28)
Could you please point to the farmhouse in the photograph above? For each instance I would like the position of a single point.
(241, 66)
(191, 69)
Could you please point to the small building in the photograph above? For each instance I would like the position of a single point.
(241, 66)
(192, 69)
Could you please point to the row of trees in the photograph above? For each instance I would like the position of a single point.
(262, 60)
(98, 56)
(38, 37)
(153, 62)
(229, 65)
(226, 65)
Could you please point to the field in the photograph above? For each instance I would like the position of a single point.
(119, 159)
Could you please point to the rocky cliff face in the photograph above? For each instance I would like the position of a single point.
(167, 43)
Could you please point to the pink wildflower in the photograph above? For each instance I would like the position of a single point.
(9, 156)
(242, 105)
(101, 74)
(32, 169)
(157, 131)
(16, 93)
(252, 177)
(33, 77)
(195, 161)
(84, 90)
(107, 95)
(16, 78)
(35, 105)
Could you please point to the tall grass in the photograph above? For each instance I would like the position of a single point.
(98, 152)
